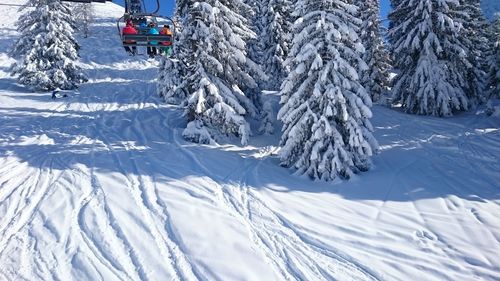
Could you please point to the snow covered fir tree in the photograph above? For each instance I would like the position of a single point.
(430, 55)
(276, 39)
(219, 81)
(47, 52)
(376, 78)
(325, 109)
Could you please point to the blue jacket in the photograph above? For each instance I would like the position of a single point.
(153, 31)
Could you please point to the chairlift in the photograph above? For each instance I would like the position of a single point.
(143, 37)
(135, 11)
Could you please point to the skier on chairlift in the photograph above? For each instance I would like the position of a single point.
(166, 46)
(151, 50)
(129, 29)
(142, 21)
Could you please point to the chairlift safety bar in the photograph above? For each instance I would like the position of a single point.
(144, 38)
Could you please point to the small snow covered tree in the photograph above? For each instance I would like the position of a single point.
(84, 16)
(428, 51)
(268, 117)
(221, 74)
(47, 52)
(494, 61)
(325, 109)
(276, 39)
(376, 78)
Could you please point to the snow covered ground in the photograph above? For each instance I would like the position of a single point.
(101, 186)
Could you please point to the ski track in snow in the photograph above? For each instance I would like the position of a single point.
(291, 254)
(96, 200)
(153, 210)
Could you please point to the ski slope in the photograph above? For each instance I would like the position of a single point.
(101, 186)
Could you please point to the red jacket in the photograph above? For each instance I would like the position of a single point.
(129, 30)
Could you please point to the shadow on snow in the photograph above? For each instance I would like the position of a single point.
(417, 160)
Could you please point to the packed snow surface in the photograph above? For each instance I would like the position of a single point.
(102, 186)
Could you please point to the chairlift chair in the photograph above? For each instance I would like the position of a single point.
(135, 10)
(143, 38)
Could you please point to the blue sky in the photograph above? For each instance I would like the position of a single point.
(385, 7)
(167, 6)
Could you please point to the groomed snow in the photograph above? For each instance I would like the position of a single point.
(101, 186)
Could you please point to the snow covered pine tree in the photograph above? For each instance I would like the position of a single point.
(325, 110)
(46, 51)
(276, 39)
(428, 50)
(376, 78)
(215, 35)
